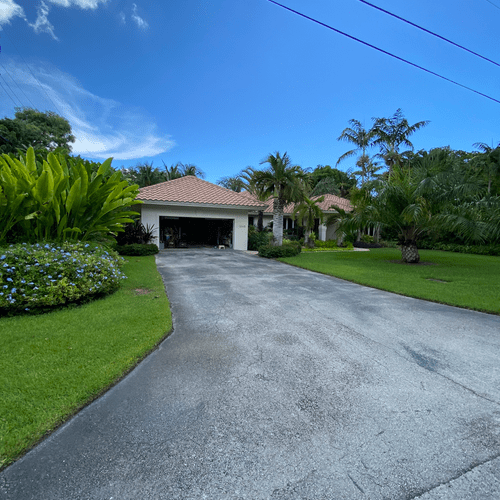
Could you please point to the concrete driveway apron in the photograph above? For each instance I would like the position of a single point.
(280, 383)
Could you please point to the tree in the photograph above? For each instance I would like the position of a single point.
(367, 168)
(363, 139)
(489, 162)
(171, 172)
(41, 131)
(344, 181)
(328, 185)
(190, 169)
(233, 183)
(307, 211)
(282, 181)
(419, 200)
(144, 175)
(392, 133)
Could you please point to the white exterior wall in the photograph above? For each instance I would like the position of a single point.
(150, 214)
(331, 232)
(322, 230)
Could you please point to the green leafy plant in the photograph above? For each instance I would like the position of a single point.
(61, 198)
(257, 239)
(40, 276)
(275, 252)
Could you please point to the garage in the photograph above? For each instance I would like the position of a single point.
(185, 232)
(190, 212)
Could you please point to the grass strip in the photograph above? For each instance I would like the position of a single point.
(469, 281)
(56, 363)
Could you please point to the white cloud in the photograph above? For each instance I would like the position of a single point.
(141, 23)
(42, 23)
(122, 18)
(10, 9)
(102, 127)
(83, 4)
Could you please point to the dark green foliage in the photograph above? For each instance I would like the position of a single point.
(135, 232)
(328, 185)
(339, 182)
(61, 198)
(137, 249)
(491, 249)
(276, 252)
(257, 239)
(233, 183)
(41, 131)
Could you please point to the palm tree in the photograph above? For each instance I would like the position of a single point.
(392, 133)
(307, 211)
(233, 183)
(489, 160)
(356, 134)
(418, 200)
(144, 175)
(190, 169)
(282, 181)
(171, 172)
(367, 168)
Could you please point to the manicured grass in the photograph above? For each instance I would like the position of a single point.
(471, 281)
(54, 364)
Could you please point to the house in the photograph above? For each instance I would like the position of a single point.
(191, 211)
(323, 232)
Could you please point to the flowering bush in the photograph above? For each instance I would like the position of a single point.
(45, 275)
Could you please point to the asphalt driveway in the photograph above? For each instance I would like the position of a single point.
(280, 383)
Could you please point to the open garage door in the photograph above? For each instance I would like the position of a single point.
(178, 232)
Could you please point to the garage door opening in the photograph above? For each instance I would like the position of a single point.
(182, 232)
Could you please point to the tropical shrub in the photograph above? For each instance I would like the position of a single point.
(61, 198)
(491, 249)
(40, 276)
(326, 244)
(136, 232)
(257, 239)
(137, 249)
(276, 252)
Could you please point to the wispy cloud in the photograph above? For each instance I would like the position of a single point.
(42, 23)
(83, 4)
(102, 127)
(141, 23)
(8, 10)
(122, 17)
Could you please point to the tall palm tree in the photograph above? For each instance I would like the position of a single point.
(392, 133)
(363, 139)
(307, 211)
(282, 181)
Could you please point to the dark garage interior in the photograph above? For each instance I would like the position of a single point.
(179, 232)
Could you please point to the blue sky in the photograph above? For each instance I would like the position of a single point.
(223, 83)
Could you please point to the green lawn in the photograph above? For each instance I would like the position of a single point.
(53, 364)
(471, 281)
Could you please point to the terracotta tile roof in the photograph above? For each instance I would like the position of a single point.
(190, 189)
(330, 199)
